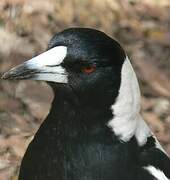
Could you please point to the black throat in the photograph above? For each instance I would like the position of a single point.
(74, 119)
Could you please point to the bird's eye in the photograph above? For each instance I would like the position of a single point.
(88, 69)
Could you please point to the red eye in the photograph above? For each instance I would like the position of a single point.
(88, 69)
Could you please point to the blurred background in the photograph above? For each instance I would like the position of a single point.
(142, 27)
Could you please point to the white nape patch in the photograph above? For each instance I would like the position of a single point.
(158, 174)
(52, 57)
(48, 65)
(127, 121)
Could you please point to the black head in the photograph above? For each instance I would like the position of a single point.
(85, 61)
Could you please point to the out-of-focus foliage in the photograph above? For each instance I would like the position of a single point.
(142, 27)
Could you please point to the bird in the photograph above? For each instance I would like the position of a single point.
(94, 130)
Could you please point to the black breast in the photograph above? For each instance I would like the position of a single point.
(66, 149)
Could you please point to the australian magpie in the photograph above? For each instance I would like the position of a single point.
(94, 130)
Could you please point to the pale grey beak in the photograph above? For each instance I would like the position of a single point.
(45, 67)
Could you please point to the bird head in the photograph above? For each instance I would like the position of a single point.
(85, 60)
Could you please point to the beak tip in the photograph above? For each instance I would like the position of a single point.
(6, 75)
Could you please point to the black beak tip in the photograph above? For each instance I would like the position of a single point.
(5, 76)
